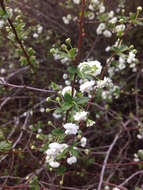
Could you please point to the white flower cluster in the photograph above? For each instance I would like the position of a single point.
(120, 28)
(83, 141)
(87, 86)
(80, 116)
(139, 156)
(39, 31)
(76, 2)
(71, 128)
(68, 90)
(105, 82)
(71, 160)
(90, 68)
(96, 4)
(67, 19)
(101, 29)
(108, 94)
(90, 123)
(55, 149)
(108, 188)
(140, 135)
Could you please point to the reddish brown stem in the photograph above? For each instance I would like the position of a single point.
(77, 59)
(16, 36)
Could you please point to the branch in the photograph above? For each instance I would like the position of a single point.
(106, 159)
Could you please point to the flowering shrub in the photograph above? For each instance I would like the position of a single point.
(71, 106)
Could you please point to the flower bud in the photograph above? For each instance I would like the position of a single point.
(139, 8)
(53, 51)
(64, 47)
(57, 99)
(49, 122)
(48, 109)
(68, 41)
(48, 99)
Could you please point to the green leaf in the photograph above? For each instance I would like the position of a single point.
(23, 61)
(72, 70)
(57, 132)
(54, 86)
(123, 48)
(5, 146)
(66, 106)
(74, 152)
(68, 98)
(82, 100)
(72, 52)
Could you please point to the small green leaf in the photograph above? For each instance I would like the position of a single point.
(68, 98)
(57, 132)
(82, 100)
(72, 70)
(5, 146)
(72, 52)
(66, 106)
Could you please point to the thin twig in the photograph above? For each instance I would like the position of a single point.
(106, 159)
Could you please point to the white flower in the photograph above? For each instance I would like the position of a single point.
(54, 145)
(115, 188)
(100, 28)
(67, 82)
(122, 59)
(105, 82)
(83, 141)
(111, 71)
(107, 33)
(91, 16)
(131, 57)
(71, 160)
(80, 116)
(53, 151)
(139, 136)
(136, 159)
(54, 164)
(90, 123)
(113, 20)
(90, 67)
(39, 130)
(76, 1)
(120, 28)
(42, 110)
(65, 76)
(96, 2)
(71, 128)
(111, 14)
(91, 7)
(106, 94)
(107, 48)
(68, 89)
(106, 187)
(87, 86)
(39, 29)
(101, 8)
(121, 66)
(35, 35)
(56, 115)
(67, 19)
(2, 70)
(1, 23)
